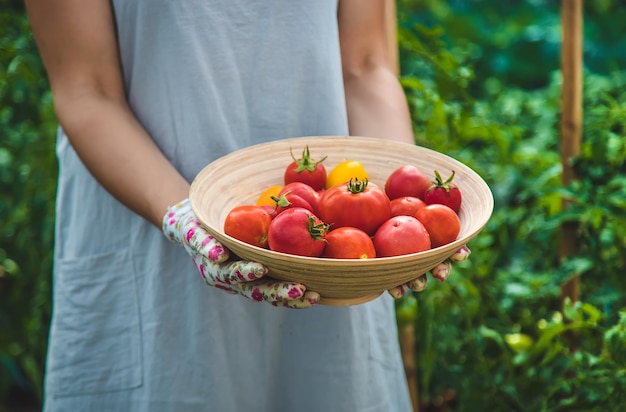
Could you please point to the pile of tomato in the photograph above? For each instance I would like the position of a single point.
(341, 214)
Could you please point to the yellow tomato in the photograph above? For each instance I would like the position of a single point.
(344, 171)
(265, 199)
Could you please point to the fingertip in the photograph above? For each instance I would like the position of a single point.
(419, 284)
(312, 297)
(218, 254)
(398, 291)
(441, 271)
(462, 254)
(308, 300)
(294, 291)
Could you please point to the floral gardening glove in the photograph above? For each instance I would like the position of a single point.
(245, 278)
(439, 272)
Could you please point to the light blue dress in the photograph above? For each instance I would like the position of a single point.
(134, 326)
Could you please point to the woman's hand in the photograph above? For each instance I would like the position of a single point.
(439, 272)
(245, 278)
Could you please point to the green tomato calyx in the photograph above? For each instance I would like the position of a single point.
(305, 162)
(357, 186)
(318, 229)
(441, 184)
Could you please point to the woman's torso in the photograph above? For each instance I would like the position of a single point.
(134, 327)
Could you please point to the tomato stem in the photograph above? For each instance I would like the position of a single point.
(318, 230)
(357, 186)
(282, 200)
(439, 182)
(305, 162)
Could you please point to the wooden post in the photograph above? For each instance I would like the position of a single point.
(407, 332)
(407, 345)
(571, 121)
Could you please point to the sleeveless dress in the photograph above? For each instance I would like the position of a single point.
(134, 327)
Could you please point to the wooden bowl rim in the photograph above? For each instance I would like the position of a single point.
(341, 264)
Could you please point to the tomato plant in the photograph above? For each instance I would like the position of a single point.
(297, 231)
(518, 342)
(444, 192)
(306, 170)
(401, 235)
(359, 204)
(406, 205)
(344, 171)
(249, 224)
(349, 243)
(441, 222)
(406, 180)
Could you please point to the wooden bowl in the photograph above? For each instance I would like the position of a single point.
(239, 178)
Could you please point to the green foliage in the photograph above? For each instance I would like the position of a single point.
(27, 185)
(518, 42)
(494, 334)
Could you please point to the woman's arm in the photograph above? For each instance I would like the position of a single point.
(78, 45)
(376, 103)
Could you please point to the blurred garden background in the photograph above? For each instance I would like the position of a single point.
(484, 83)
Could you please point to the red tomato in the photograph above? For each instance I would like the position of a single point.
(359, 204)
(250, 224)
(406, 180)
(445, 193)
(441, 222)
(401, 235)
(297, 231)
(406, 206)
(349, 243)
(306, 170)
(303, 190)
(270, 209)
(290, 200)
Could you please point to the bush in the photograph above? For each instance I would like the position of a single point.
(495, 336)
(27, 185)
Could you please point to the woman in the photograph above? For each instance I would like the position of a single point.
(147, 93)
